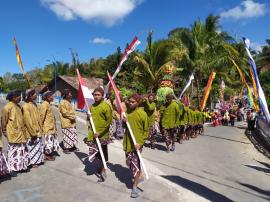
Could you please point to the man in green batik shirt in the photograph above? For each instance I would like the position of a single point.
(139, 124)
(169, 116)
(102, 117)
(150, 109)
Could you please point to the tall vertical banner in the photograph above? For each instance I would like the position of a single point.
(122, 112)
(84, 95)
(187, 85)
(255, 90)
(245, 83)
(261, 96)
(207, 89)
(222, 88)
(18, 56)
(135, 42)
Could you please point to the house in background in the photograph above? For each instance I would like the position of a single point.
(72, 83)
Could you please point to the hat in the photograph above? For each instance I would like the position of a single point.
(47, 94)
(29, 92)
(12, 94)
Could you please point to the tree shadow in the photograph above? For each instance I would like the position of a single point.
(227, 139)
(257, 189)
(197, 188)
(266, 170)
(265, 164)
(90, 167)
(123, 174)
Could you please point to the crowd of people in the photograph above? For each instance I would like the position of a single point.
(32, 136)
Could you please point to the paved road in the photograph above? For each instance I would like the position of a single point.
(222, 165)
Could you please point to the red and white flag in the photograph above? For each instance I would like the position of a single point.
(120, 108)
(85, 97)
(135, 42)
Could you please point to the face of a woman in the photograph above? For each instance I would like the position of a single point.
(151, 98)
(132, 103)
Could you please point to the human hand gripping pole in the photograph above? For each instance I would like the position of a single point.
(124, 117)
(92, 123)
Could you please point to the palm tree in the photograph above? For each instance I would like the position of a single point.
(157, 55)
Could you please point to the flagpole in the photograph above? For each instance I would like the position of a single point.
(123, 114)
(93, 127)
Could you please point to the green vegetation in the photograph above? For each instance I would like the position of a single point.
(201, 48)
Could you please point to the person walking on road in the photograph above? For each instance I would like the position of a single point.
(139, 124)
(31, 116)
(68, 122)
(49, 127)
(102, 117)
(13, 127)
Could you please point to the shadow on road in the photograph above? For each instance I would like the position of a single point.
(157, 146)
(266, 170)
(90, 167)
(4, 178)
(227, 139)
(257, 189)
(197, 188)
(123, 174)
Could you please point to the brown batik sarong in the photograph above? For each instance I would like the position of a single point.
(4, 168)
(169, 136)
(51, 144)
(70, 138)
(94, 152)
(152, 134)
(18, 157)
(133, 162)
(35, 147)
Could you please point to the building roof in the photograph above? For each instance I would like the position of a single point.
(91, 82)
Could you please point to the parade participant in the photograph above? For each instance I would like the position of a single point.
(169, 116)
(49, 127)
(4, 169)
(232, 117)
(102, 117)
(181, 123)
(14, 128)
(31, 116)
(138, 121)
(68, 122)
(150, 109)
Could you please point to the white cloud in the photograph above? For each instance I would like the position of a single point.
(107, 12)
(247, 9)
(256, 46)
(100, 40)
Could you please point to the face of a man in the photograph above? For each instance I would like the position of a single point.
(69, 96)
(97, 96)
(50, 98)
(169, 100)
(151, 98)
(34, 97)
(132, 103)
(17, 99)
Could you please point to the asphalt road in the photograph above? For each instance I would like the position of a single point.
(222, 165)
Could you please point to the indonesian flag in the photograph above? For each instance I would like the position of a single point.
(135, 42)
(85, 97)
(117, 96)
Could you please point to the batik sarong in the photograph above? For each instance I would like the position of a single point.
(18, 157)
(51, 144)
(152, 134)
(94, 152)
(70, 138)
(169, 136)
(35, 148)
(133, 162)
(4, 168)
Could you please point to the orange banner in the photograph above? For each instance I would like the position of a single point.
(207, 89)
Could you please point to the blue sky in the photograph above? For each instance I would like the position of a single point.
(95, 28)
